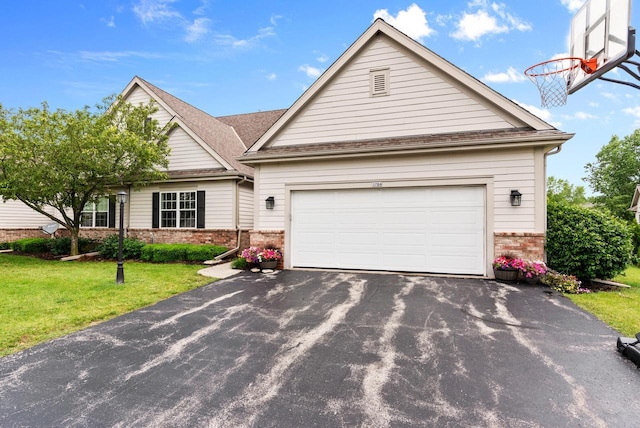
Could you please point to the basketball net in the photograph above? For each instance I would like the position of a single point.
(554, 77)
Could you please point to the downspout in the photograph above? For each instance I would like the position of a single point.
(549, 153)
(238, 230)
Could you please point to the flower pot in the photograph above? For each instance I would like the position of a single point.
(269, 264)
(532, 280)
(505, 274)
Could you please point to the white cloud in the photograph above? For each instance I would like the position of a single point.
(322, 58)
(543, 114)
(487, 19)
(228, 40)
(633, 111)
(197, 29)
(274, 19)
(573, 5)
(580, 115)
(155, 10)
(510, 76)
(411, 21)
(111, 22)
(113, 56)
(272, 76)
(310, 71)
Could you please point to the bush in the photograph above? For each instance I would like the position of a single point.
(62, 246)
(161, 253)
(239, 263)
(131, 248)
(585, 242)
(32, 245)
(5, 246)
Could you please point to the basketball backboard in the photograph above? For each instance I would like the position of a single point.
(601, 29)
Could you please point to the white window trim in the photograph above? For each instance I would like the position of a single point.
(178, 210)
(94, 211)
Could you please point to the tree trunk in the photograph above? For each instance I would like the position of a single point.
(74, 241)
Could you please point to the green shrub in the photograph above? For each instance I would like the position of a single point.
(162, 253)
(131, 248)
(585, 242)
(5, 246)
(239, 263)
(32, 245)
(62, 246)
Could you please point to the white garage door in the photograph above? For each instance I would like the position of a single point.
(431, 229)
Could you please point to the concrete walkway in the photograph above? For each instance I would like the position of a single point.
(222, 270)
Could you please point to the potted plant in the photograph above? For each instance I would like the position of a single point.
(505, 268)
(251, 255)
(269, 258)
(532, 271)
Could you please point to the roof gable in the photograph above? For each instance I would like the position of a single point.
(444, 84)
(215, 137)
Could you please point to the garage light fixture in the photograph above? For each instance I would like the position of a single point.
(516, 198)
(270, 202)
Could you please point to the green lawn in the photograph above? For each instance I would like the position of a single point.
(41, 299)
(620, 308)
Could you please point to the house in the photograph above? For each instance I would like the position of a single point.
(395, 159)
(208, 197)
(634, 204)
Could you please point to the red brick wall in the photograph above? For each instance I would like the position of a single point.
(268, 238)
(10, 235)
(525, 245)
(227, 238)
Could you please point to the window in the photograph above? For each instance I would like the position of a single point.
(379, 82)
(178, 209)
(95, 214)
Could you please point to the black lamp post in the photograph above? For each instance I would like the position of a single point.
(122, 198)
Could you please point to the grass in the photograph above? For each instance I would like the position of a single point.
(620, 308)
(44, 299)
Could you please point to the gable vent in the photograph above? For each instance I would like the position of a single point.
(379, 82)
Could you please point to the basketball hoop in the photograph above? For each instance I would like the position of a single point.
(554, 77)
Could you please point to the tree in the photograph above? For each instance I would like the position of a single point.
(66, 159)
(615, 174)
(560, 190)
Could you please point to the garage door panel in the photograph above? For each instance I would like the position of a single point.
(438, 230)
(409, 240)
(350, 218)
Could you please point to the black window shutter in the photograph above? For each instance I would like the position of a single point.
(112, 211)
(155, 207)
(200, 210)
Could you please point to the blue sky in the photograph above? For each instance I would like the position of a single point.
(228, 57)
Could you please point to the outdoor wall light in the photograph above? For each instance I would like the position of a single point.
(122, 199)
(270, 202)
(516, 198)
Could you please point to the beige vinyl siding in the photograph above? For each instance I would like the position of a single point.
(420, 102)
(218, 203)
(188, 154)
(245, 205)
(15, 214)
(139, 96)
(505, 170)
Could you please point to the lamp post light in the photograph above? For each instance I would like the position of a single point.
(122, 198)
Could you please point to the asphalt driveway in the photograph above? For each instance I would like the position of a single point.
(300, 348)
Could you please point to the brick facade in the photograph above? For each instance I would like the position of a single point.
(270, 239)
(525, 245)
(10, 235)
(225, 237)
